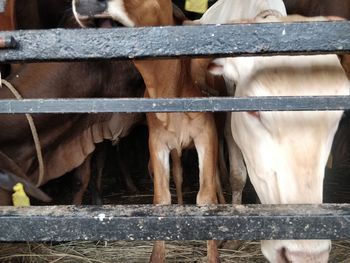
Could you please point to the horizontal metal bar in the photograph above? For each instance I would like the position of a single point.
(147, 222)
(196, 41)
(213, 104)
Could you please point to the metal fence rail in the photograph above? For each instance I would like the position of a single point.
(149, 222)
(212, 104)
(192, 41)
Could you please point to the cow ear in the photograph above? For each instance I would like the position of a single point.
(216, 67)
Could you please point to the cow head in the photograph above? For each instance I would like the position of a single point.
(130, 13)
(286, 152)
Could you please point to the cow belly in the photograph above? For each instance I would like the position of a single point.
(71, 153)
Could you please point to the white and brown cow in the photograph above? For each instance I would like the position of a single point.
(285, 152)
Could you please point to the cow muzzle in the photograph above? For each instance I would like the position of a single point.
(93, 13)
(301, 251)
(89, 8)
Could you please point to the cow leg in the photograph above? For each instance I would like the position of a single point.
(238, 170)
(177, 175)
(206, 144)
(159, 155)
(82, 174)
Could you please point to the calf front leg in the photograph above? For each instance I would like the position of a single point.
(159, 155)
(207, 147)
(206, 144)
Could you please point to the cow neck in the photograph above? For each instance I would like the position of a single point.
(168, 78)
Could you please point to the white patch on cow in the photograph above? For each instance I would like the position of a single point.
(117, 11)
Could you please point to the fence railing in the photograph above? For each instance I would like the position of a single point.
(175, 223)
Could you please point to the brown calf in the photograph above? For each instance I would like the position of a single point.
(168, 78)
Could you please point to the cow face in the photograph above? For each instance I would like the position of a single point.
(286, 152)
(130, 13)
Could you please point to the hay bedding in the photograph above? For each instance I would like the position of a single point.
(138, 252)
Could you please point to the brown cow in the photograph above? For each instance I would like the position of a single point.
(168, 78)
(66, 140)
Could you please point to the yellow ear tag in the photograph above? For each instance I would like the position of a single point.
(197, 6)
(19, 197)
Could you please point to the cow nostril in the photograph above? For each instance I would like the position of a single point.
(283, 254)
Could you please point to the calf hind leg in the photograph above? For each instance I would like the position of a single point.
(160, 165)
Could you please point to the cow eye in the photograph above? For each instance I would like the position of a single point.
(255, 114)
